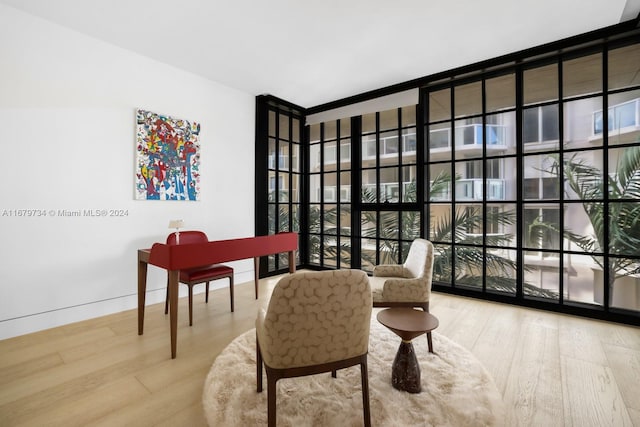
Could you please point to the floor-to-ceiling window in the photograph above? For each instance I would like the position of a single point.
(279, 178)
(525, 175)
(330, 194)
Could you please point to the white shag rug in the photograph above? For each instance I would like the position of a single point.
(456, 389)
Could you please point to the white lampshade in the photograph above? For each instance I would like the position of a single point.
(176, 223)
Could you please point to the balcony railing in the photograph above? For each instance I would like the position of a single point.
(468, 136)
(471, 189)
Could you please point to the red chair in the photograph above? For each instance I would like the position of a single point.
(194, 276)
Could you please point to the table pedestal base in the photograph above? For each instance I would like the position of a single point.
(405, 372)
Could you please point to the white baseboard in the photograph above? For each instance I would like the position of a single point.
(40, 321)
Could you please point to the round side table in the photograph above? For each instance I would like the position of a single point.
(407, 323)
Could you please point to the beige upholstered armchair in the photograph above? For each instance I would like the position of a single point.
(408, 284)
(315, 322)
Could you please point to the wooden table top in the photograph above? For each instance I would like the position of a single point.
(407, 323)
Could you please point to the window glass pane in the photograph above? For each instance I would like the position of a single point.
(468, 99)
(314, 188)
(469, 180)
(368, 250)
(469, 137)
(314, 157)
(623, 67)
(345, 220)
(468, 224)
(369, 222)
(314, 218)
(271, 154)
(624, 291)
(314, 133)
(389, 119)
(501, 226)
(624, 117)
(580, 235)
(389, 185)
(283, 218)
(389, 225)
(409, 116)
(389, 148)
(283, 132)
(330, 156)
(541, 176)
(410, 225)
(439, 141)
(272, 186)
(329, 251)
(330, 187)
(501, 134)
(624, 171)
(442, 264)
(409, 145)
(583, 175)
(583, 278)
(330, 129)
(369, 123)
(500, 93)
(530, 125)
(330, 219)
(582, 75)
(295, 125)
(624, 228)
(440, 105)
(500, 270)
(369, 150)
(283, 156)
(271, 218)
(540, 127)
(541, 276)
(582, 126)
(345, 186)
(295, 159)
(283, 186)
(440, 182)
(345, 252)
(409, 184)
(369, 186)
(468, 269)
(540, 84)
(295, 188)
(440, 222)
(345, 154)
(272, 123)
(295, 216)
(550, 123)
(345, 127)
(541, 227)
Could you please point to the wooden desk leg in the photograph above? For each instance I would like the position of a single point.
(173, 309)
(292, 262)
(256, 273)
(142, 292)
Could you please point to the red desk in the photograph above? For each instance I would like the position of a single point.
(174, 258)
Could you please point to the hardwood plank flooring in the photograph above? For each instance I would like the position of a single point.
(553, 370)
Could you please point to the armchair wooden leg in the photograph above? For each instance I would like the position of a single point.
(271, 401)
(258, 367)
(206, 297)
(364, 373)
(429, 342)
(334, 374)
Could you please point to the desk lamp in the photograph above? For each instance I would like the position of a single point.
(176, 223)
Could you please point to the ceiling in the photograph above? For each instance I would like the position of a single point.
(313, 52)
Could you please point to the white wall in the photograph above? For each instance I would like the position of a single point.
(67, 141)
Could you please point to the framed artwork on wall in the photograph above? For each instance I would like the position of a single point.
(167, 158)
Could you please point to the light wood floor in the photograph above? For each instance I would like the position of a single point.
(553, 370)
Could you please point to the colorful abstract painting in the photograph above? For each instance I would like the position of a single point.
(168, 158)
